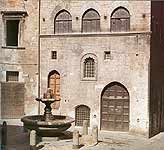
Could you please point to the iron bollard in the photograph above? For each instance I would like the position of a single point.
(4, 135)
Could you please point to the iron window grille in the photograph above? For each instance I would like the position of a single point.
(82, 113)
(53, 54)
(12, 76)
(89, 68)
(107, 55)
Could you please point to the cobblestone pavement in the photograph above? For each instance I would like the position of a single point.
(17, 139)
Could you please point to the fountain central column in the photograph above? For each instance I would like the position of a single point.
(47, 111)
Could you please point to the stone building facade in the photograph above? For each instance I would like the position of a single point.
(126, 66)
(18, 58)
(94, 55)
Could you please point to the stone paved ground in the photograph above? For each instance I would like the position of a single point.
(111, 141)
(19, 140)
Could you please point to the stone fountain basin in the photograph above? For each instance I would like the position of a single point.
(57, 125)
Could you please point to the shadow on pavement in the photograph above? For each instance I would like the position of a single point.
(17, 139)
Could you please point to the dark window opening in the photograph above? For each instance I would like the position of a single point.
(12, 27)
(12, 76)
(107, 55)
(54, 55)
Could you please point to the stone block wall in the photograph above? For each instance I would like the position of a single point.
(23, 58)
(129, 62)
(139, 13)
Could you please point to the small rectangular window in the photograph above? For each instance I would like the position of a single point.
(12, 76)
(12, 28)
(53, 54)
(107, 55)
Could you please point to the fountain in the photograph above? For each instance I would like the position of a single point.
(47, 125)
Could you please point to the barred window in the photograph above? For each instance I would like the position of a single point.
(53, 54)
(91, 21)
(82, 113)
(107, 55)
(89, 67)
(63, 22)
(120, 20)
(12, 76)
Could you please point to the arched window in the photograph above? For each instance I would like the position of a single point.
(120, 20)
(54, 85)
(91, 21)
(82, 113)
(89, 68)
(63, 22)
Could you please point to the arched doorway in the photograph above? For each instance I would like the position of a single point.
(115, 108)
(54, 84)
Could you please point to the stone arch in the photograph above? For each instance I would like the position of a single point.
(63, 22)
(120, 19)
(82, 112)
(91, 21)
(115, 107)
(54, 84)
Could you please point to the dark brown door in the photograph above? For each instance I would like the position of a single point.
(115, 108)
(155, 110)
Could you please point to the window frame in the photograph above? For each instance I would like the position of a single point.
(8, 73)
(107, 55)
(68, 21)
(113, 28)
(53, 55)
(79, 118)
(94, 57)
(15, 41)
(89, 68)
(90, 20)
(20, 16)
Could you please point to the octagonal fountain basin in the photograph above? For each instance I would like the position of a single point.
(56, 125)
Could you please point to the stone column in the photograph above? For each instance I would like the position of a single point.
(85, 127)
(95, 134)
(32, 138)
(75, 140)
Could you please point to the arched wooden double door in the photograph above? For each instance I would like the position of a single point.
(54, 84)
(115, 108)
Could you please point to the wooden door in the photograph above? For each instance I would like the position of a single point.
(115, 108)
(54, 84)
(155, 110)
